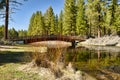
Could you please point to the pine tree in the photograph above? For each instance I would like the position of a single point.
(90, 16)
(31, 24)
(38, 24)
(52, 20)
(49, 21)
(111, 15)
(1, 31)
(56, 24)
(69, 25)
(99, 16)
(80, 18)
(13, 33)
(117, 20)
(46, 23)
(95, 14)
(22, 33)
(60, 23)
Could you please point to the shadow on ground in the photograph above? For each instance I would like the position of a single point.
(14, 57)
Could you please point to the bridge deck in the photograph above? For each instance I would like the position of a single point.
(30, 39)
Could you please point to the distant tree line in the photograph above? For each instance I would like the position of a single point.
(12, 32)
(91, 18)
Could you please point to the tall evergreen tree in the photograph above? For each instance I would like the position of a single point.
(94, 14)
(6, 19)
(111, 15)
(90, 16)
(60, 23)
(80, 18)
(22, 33)
(38, 24)
(13, 33)
(99, 16)
(117, 20)
(46, 23)
(56, 24)
(69, 25)
(113, 10)
(31, 25)
(49, 21)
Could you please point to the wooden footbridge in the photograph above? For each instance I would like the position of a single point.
(37, 38)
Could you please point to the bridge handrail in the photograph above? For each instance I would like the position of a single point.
(63, 37)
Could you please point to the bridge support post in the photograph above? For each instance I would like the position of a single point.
(73, 44)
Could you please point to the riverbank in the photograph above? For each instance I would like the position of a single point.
(102, 41)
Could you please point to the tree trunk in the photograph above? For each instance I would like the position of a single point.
(6, 20)
(99, 17)
(90, 29)
(99, 33)
(104, 30)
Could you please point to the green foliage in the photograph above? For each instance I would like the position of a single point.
(60, 23)
(56, 24)
(30, 28)
(94, 13)
(22, 33)
(13, 33)
(2, 4)
(117, 20)
(1, 31)
(112, 11)
(36, 24)
(69, 23)
(49, 21)
(80, 18)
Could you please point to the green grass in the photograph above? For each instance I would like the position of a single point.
(11, 58)
(11, 72)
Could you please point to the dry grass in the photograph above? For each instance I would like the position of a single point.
(51, 59)
(54, 55)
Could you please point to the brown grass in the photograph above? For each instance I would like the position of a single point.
(50, 59)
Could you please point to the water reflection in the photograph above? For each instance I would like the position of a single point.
(85, 58)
